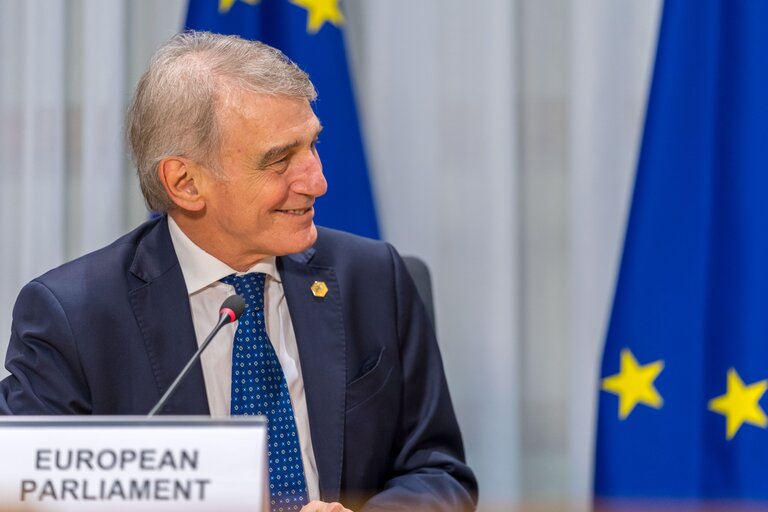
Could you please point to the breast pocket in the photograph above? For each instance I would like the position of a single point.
(373, 378)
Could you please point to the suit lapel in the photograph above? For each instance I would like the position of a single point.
(319, 327)
(161, 306)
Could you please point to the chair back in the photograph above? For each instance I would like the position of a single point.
(421, 277)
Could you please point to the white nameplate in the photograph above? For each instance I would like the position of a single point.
(125, 463)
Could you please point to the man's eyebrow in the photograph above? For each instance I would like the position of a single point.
(277, 151)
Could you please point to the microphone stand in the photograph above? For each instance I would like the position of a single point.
(226, 316)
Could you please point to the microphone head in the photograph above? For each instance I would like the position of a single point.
(233, 306)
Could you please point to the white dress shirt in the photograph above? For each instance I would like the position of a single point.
(202, 272)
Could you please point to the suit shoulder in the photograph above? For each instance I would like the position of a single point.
(102, 265)
(340, 246)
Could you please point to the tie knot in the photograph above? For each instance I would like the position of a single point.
(250, 287)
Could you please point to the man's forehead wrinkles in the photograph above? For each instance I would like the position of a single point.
(298, 141)
(275, 151)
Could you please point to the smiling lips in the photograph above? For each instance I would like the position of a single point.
(296, 212)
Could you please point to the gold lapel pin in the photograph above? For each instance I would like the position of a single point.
(319, 289)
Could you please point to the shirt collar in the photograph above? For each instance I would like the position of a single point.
(201, 269)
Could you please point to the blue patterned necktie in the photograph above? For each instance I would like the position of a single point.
(259, 387)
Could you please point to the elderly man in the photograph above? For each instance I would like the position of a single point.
(334, 347)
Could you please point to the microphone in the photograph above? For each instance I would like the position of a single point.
(231, 309)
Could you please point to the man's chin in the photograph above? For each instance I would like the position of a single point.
(300, 242)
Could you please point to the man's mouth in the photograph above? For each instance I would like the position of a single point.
(301, 211)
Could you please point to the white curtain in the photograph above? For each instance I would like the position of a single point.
(613, 45)
(100, 102)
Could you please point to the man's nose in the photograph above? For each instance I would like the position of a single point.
(311, 181)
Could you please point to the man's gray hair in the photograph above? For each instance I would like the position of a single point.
(173, 111)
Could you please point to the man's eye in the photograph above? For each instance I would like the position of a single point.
(281, 160)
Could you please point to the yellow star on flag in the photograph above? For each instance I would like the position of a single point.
(634, 384)
(320, 11)
(226, 5)
(740, 404)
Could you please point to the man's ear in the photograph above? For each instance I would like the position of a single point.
(181, 179)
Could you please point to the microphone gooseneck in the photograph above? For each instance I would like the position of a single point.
(231, 309)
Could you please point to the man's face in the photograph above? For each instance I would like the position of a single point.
(263, 205)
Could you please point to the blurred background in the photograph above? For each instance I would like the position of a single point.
(502, 139)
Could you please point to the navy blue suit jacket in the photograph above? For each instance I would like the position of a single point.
(107, 334)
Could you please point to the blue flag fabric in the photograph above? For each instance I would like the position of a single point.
(682, 401)
(309, 33)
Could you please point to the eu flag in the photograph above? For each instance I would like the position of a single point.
(685, 367)
(309, 32)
